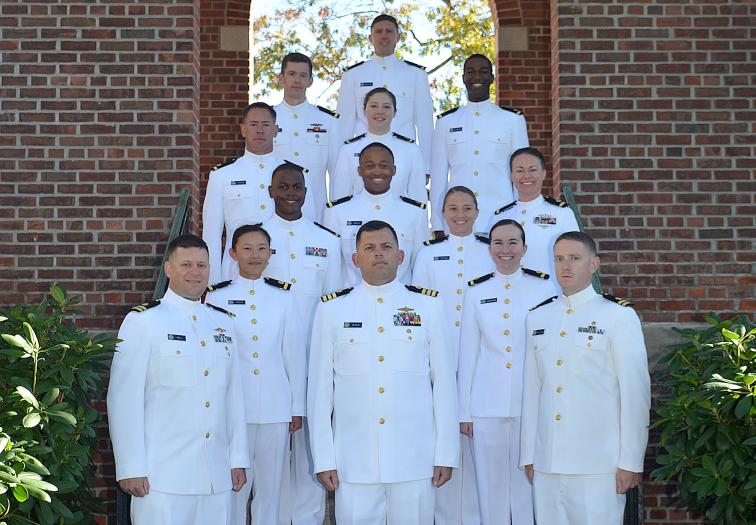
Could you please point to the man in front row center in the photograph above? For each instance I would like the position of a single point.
(379, 363)
(586, 399)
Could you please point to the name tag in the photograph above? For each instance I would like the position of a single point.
(540, 331)
(354, 223)
(454, 130)
(176, 337)
(356, 154)
(366, 84)
(441, 258)
(353, 325)
(238, 182)
(237, 301)
(272, 251)
(490, 300)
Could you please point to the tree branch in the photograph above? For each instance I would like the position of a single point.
(442, 64)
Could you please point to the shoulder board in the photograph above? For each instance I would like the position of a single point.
(505, 208)
(221, 310)
(326, 110)
(304, 170)
(355, 139)
(511, 110)
(430, 242)
(556, 202)
(447, 112)
(402, 137)
(618, 300)
(354, 65)
(334, 295)
(482, 238)
(277, 283)
(481, 279)
(423, 291)
(145, 306)
(342, 200)
(218, 286)
(413, 64)
(547, 301)
(535, 273)
(419, 204)
(329, 230)
(223, 164)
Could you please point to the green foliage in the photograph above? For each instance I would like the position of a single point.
(708, 420)
(336, 36)
(49, 370)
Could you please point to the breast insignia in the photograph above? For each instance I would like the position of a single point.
(355, 139)
(342, 200)
(219, 309)
(419, 204)
(535, 273)
(334, 295)
(555, 202)
(437, 240)
(218, 286)
(618, 300)
(277, 283)
(145, 306)
(329, 230)
(481, 279)
(420, 290)
(547, 301)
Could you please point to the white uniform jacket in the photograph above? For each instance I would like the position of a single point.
(272, 339)
(309, 135)
(409, 84)
(174, 401)
(492, 346)
(587, 390)
(543, 221)
(446, 264)
(471, 147)
(237, 194)
(380, 363)
(408, 218)
(409, 179)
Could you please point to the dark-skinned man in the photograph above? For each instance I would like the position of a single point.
(381, 399)
(472, 145)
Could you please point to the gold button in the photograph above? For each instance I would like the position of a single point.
(380, 390)
(381, 421)
(477, 113)
(562, 333)
(475, 173)
(296, 116)
(460, 261)
(506, 332)
(238, 195)
(261, 166)
(590, 337)
(559, 362)
(569, 310)
(409, 338)
(202, 343)
(253, 307)
(178, 352)
(255, 338)
(262, 206)
(459, 291)
(293, 280)
(206, 373)
(460, 248)
(351, 340)
(255, 355)
(377, 206)
(509, 365)
(506, 301)
(505, 316)
(477, 132)
(380, 329)
(296, 133)
(194, 318)
(380, 358)
(262, 186)
(291, 234)
(207, 435)
(380, 299)
(256, 372)
(475, 193)
(475, 152)
(509, 349)
(524, 212)
(253, 321)
(409, 330)
(459, 275)
(558, 417)
(207, 404)
(251, 292)
(293, 256)
(457, 323)
(507, 286)
(296, 154)
(385, 67)
(559, 390)
(459, 307)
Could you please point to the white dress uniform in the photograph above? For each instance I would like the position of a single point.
(380, 364)
(237, 194)
(272, 339)
(409, 84)
(446, 264)
(308, 256)
(543, 219)
(407, 216)
(409, 179)
(471, 147)
(309, 135)
(585, 406)
(491, 359)
(175, 410)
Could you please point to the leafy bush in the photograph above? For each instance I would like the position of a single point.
(49, 370)
(708, 420)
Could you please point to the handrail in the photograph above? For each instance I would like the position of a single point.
(569, 196)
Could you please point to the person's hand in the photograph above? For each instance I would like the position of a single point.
(138, 487)
(329, 479)
(466, 429)
(441, 475)
(296, 424)
(238, 478)
(529, 473)
(437, 234)
(627, 480)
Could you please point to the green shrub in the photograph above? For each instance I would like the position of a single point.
(708, 420)
(49, 371)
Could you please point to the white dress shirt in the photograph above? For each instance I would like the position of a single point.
(380, 364)
(471, 147)
(408, 83)
(409, 179)
(175, 406)
(587, 390)
(309, 136)
(409, 220)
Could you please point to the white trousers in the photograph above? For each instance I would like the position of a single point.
(406, 503)
(302, 495)
(162, 508)
(503, 488)
(267, 443)
(571, 499)
(457, 499)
